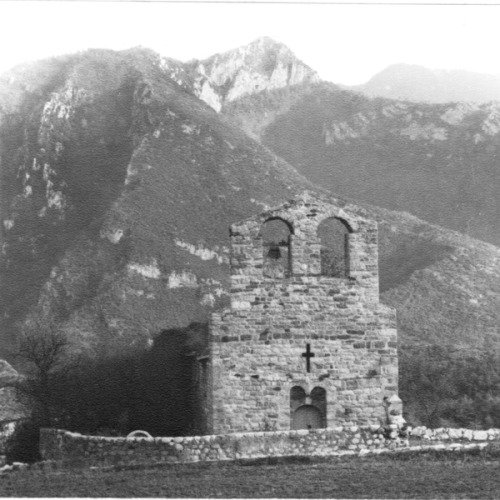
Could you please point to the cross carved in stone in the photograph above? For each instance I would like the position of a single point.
(308, 355)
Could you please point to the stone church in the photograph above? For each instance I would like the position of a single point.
(305, 342)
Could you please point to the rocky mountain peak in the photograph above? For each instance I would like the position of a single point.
(263, 64)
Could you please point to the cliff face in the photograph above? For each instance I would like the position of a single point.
(65, 146)
(118, 188)
(262, 65)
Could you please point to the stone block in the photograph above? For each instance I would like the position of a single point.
(455, 433)
(468, 434)
(480, 435)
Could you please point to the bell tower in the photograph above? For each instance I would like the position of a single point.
(305, 342)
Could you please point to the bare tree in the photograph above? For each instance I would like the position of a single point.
(43, 345)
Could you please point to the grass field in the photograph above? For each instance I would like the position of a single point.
(464, 474)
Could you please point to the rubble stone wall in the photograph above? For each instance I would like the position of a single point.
(444, 434)
(72, 448)
(7, 431)
(257, 345)
(69, 447)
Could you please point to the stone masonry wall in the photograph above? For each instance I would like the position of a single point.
(73, 448)
(257, 344)
(70, 447)
(443, 434)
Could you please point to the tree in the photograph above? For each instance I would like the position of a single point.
(442, 387)
(427, 382)
(42, 345)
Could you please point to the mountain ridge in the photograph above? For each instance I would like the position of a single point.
(69, 203)
(119, 192)
(260, 65)
(411, 82)
(437, 161)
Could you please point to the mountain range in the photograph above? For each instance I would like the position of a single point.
(411, 82)
(122, 171)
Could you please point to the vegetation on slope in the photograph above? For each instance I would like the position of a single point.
(119, 200)
(437, 161)
(65, 148)
(450, 389)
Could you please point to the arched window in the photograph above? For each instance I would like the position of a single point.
(318, 394)
(334, 236)
(276, 247)
(297, 397)
(318, 399)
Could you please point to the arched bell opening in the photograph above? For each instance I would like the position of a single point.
(334, 237)
(276, 247)
(318, 399)
(297, 397)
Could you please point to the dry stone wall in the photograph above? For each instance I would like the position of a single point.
(257, 346)
(63, 447)
(68, 447)
(453, 434)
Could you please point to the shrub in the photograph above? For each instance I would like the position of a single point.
(23, 445)
(442, 388)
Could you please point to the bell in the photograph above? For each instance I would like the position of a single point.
(274, 253)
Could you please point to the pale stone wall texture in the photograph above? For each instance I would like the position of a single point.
(11, 407)
(453, 434)
(70, 447)
(256, 345)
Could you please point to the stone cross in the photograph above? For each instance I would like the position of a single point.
(308, 355)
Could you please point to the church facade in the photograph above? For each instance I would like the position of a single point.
(305, 342)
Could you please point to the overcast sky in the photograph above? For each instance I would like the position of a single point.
(345, 43)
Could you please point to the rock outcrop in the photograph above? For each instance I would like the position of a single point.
(262, 65)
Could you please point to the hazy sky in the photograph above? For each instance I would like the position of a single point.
(344, 43)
